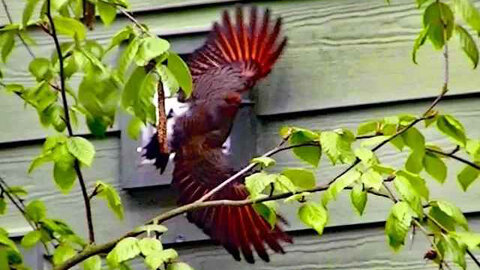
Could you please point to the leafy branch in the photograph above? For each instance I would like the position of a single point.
(67, 119)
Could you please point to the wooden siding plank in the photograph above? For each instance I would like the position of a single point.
(16, 7)
(340, 53)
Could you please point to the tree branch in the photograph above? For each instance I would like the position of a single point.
(10, 20)
(67, 119)
(451, 155)
(17, 202)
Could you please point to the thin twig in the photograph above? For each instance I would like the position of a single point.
(9, 17)
(66, 110)
(454, 157)
(242, 172)
(17, 202)
(474, 259)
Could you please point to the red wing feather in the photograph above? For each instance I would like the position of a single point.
(238, 229)
(253, 47)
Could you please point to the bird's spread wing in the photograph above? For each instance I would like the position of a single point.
(237, 53)
(238, 228)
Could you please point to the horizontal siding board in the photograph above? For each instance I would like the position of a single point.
(16, 7)
(344, 53)
(340, 53)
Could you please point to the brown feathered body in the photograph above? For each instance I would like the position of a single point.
(235, 56)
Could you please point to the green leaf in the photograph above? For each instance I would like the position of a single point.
(339, 185)
(314, 215)
(468, 44)
(70, 27)
(469, 13)
(473, 149)
(419, 41)
(435, 167)
(301, 178)
(256, 183)
(439, 19)
(150, 48)
(18, 190)
(138, 95)
(108, 193)
(264, 162)
(412, 188)
(127, 56)
(398, 225)
(7, 242)
(28, 11)
(36, 210)
(358, 197)
(135, 126)
(125, 250)
(452, 211)
(267, 211)
(63, 253)
(366, 156)
(120, 36)
(39, 161)
(298, 197)
(337, 146)
(149, 246)
(158, 258)
(82, 149)
(472, 240)
(31, 239)
(452, 128)
(179, 266)
(181, 72)
(39, 67)
(309, 154)
(64, 175)
(3, 206)
(130, 93)
(414, 139)
(418, 183)
(398, 142)
(107, 12)
(414, 162)
(283, 184)
(169, 82)
(93, 263)
(467, 176)
(372, 179)
(420, 3)
(367, 128)
(7, 42)
(383, 169)
(458, 252)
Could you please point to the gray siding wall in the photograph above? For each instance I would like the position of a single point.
(346, 62)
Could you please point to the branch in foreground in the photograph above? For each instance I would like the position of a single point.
(17, 202)
(454, 157)
(10, 20)
(66, 111)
